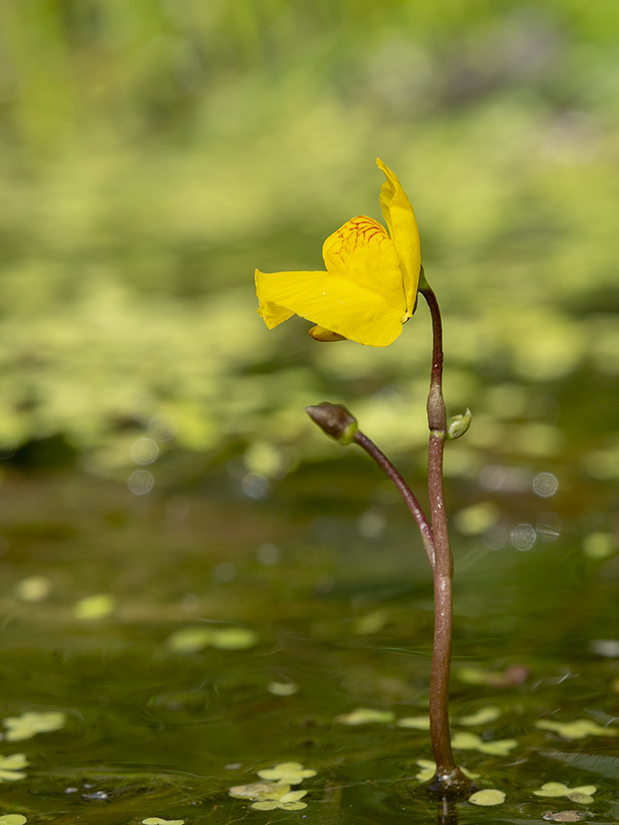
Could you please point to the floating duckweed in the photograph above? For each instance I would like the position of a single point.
(471, 741)
(292, 773)
(365, 716)
(12, 819)
(599, 545)
(605, 647)
(234, 638)
(31, 723)
(190, 639)
(582, 795)
(513, 675)
(482, 717)
(577, 729)
(418, 722)
(10, 767)
(372, 622)
(256, 790)
(477, 676)
(194, 639)
(282, 688)
(94, 607)
(287, 802)
(269, 795)
(476, 519)
(33, 589)
(155, 820)
(428, 769)
(488, 797)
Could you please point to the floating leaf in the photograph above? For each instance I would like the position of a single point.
(194, 639)
(372, 622)
(605, 647)
(476, 519)
(31, 723)
(190, 639)
(259, 790)
(33, 589)
(482, 717)
(418, 722)
(476, 676)
(471, 741)
(234, 638)
(599, 545)
(10, 767)
(582, 795)
(12, 819)
(155, 820)
(428, 769)
(365, 716)
(580, 798)
(282, 688)
(292, 773)
(513, 675)
(94, 607)
(487, 797)
(271, 795)
(577, 729)
(552, 789)
(288, 802)
(564, 816)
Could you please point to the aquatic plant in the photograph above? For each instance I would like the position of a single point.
(369, 290)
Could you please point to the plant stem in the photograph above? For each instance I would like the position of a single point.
(405, 491)
(448, 779)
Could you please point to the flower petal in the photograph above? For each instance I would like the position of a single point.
(362, 250)
(322, 334)
(400, 219)
(333, 301)
(271, 312)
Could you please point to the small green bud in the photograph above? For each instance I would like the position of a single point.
(459, 424)
(334, 420)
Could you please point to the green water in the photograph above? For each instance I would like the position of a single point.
(340, 602)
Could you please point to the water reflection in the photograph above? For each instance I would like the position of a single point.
(523, 536)
(545, 485)
(549, 527)
(268, 554)
(506, 479)
(140, 482)
(495, 538)
(446, 813)
(255, 486)
(144, 451)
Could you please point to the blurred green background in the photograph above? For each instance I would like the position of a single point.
(154, 152)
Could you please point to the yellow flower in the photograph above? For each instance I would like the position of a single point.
(370, 287)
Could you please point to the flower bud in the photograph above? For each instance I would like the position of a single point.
(334, 420)
(459, 424)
